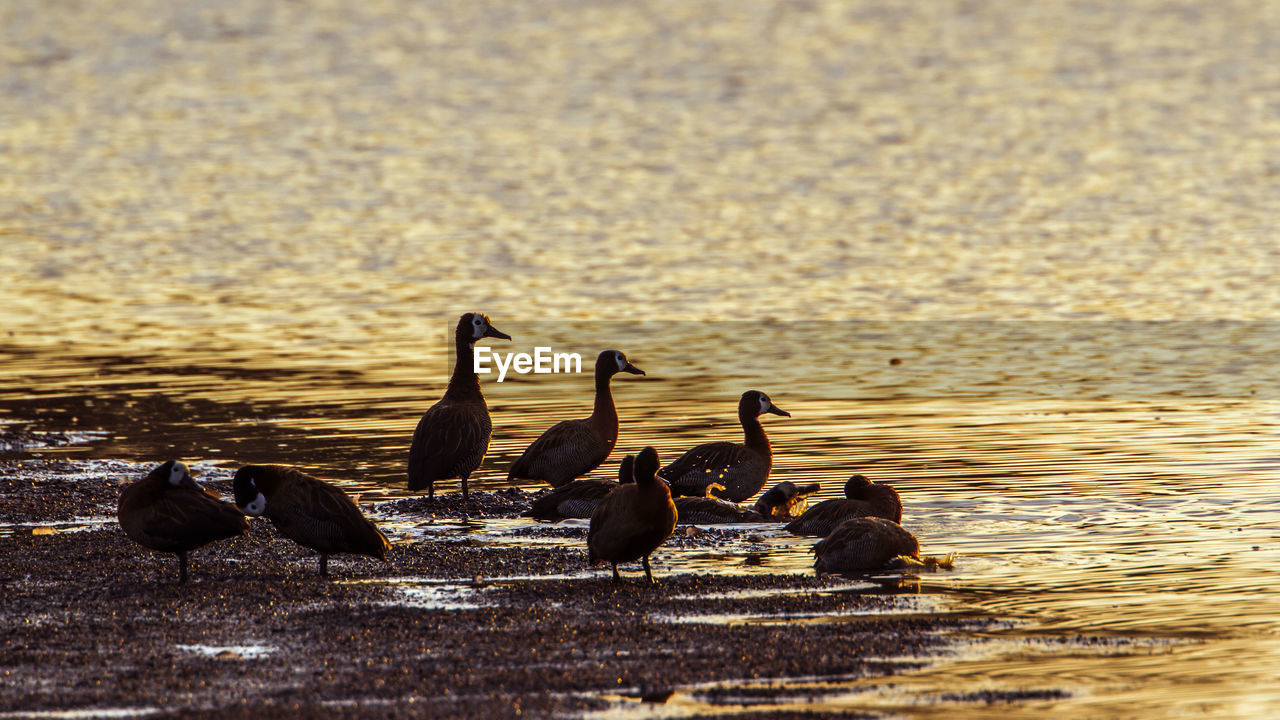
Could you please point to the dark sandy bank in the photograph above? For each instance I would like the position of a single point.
(89, 619)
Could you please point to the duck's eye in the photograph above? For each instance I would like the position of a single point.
(477, 322)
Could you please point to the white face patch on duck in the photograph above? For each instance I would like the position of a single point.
(478, 326)
(621, 360)
(177, 473)
(257, 506)
(764, 404)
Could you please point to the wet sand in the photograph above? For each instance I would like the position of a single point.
(92, 621)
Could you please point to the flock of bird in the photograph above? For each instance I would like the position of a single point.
(169, 512)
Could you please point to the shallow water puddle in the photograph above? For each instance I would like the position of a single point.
(53, 527)
(230, 652)
(429, 594)
(84, 714)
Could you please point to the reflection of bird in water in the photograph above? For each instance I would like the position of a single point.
(580, 498)
(169, 512)
(870, 543)
(771, 506)
(741, 468)
(633, 520)
(572, 448)
(863, 498)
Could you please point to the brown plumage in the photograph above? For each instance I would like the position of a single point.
(572, 448)
(783, 500)
(773, 505)
(713, 511)
(580, 498)
(308, 511)
(863, 498)
(169, 512)
(741, 468)
(453, 435)
(633, 520)
(864, 543)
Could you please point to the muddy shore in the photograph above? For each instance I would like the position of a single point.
(92, 621)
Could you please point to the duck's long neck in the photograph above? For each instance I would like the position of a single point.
(754, 434)
(463, 384)
(604, 416)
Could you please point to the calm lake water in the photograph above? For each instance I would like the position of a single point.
(237, 231)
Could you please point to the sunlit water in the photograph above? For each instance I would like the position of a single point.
(241, 232)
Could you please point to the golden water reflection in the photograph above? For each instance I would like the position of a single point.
(1127, 498)
(233, 231)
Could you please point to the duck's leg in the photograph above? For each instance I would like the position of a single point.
(324, 564)
(616, 576)
(182, 567)
(648, 573)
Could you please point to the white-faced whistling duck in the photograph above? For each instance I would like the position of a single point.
(169, 512)
(572, 448)
(742, 468)
(453, 435)
(308, 511)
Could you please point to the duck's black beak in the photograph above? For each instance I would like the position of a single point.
(632, 369)
(774, 409)
(494, 332)
(190, 483)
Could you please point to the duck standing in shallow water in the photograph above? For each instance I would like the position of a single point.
(580, 498)
(572, 448)
(865, 543)
(308, 511)
(741, 468)
(863, 498)
(169, 512)
(453, 435)
(633, 520)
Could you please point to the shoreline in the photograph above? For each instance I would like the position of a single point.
(445, 628)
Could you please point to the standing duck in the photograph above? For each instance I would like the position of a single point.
(579, 498)
(308, 511)
(576, 447)
(741, 468)
(862, 498)
(633, 520)
(453, 435)
(169, 512)
(865, 543)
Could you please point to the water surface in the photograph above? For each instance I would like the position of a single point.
(241, 232)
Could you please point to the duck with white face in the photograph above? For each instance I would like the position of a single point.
(453, 435)
(169, 511)
(572, 448)
(308, 511)
(742, 468)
